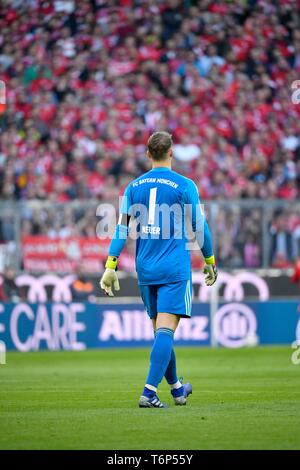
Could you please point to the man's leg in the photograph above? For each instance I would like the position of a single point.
(160, 356)
(177, 297)
(171, 372)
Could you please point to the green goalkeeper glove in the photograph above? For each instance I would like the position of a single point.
(210, 270)
(110, 278)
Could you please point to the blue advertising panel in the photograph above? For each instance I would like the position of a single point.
(77, 326)
(240, 324)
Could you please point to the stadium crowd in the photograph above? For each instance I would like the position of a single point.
(88, 81)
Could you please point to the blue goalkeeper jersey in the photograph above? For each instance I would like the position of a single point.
(162, 201)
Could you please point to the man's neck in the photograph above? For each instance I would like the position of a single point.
(162, 164)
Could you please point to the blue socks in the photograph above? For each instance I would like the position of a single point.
(162, 350)
(171, 373)
(171, 377)
(159, 359)
(177, 392)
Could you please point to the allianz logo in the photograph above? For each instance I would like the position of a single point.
(234, 324)
(134, 325)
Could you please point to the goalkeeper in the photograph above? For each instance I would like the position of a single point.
(162, 201)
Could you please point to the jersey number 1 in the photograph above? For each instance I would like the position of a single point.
(152, 203)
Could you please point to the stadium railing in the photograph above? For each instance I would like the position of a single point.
(244, 231)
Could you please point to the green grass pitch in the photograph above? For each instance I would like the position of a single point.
(242, 399)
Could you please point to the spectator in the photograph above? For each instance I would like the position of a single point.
(81, 288)
(252, 252)
(10, 289)
(281, 243)
(186, 151)
(296, 272)
(3, 297)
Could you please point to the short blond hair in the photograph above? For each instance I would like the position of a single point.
(158, 145)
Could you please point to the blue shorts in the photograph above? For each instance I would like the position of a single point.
(175, 298)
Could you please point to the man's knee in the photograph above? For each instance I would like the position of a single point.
(167, 320)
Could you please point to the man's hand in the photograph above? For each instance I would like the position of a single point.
(211, 274)
(110, 278)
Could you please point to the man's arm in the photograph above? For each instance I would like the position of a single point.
(110, 278)
(201, 229)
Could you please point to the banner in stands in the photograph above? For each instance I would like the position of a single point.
(43, 254)
(78, 326)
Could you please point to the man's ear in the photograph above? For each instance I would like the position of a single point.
(171, 152)
(149, 155)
